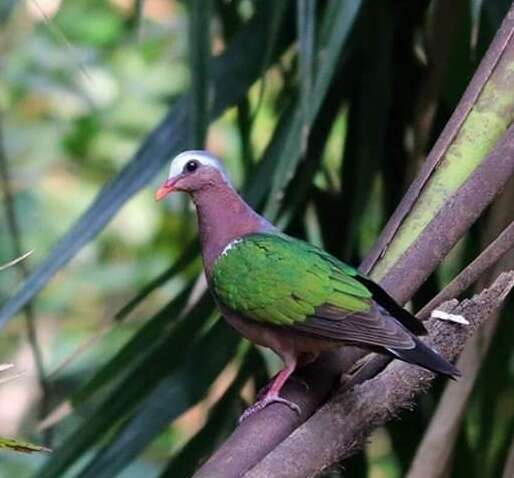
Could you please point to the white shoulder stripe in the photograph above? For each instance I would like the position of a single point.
(229, 246)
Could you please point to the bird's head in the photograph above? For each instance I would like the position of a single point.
(192, 171)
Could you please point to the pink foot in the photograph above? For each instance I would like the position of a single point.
(264, 402)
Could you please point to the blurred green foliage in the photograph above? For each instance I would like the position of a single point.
(154, 389)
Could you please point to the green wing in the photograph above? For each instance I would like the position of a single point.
(277, 280)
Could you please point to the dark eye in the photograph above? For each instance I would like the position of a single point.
(191, 166)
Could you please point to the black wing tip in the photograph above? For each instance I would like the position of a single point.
(449, 371)
(384, 300)
(426, 357)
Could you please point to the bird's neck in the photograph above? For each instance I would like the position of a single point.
(223, 216)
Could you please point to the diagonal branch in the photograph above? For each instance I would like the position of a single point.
(441, 147)
(255, 438)
(489, 257)
(435, 452)
(375, 363)
(340, 427)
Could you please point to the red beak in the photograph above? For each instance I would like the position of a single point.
(166, 187)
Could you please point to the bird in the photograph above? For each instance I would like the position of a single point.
(283, 293)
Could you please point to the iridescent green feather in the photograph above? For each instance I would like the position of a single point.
(280, 280)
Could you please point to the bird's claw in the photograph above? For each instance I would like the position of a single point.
(264, 402)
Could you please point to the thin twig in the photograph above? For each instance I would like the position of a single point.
(15, 261)
(15, 234)
(73, 56)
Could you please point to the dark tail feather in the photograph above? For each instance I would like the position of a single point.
(428, 358)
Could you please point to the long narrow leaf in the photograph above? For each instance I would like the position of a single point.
(182, 262)
(21, 446)
(199, 57)
(222, 418)
(123, 399)
(341, 16)
(368, 121)
(132, 353)
(305, 21)
(233, 73)
(172, 397)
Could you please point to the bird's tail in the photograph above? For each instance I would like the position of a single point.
(426, 357)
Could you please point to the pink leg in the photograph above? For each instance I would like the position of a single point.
(272, 391)
(301, 361)
(280, 379)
